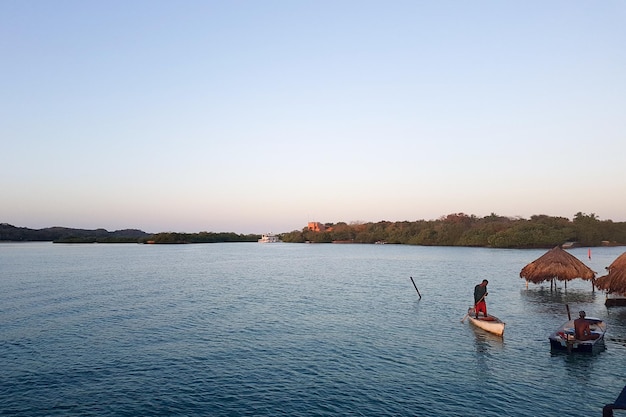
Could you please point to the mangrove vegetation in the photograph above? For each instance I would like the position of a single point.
(458, 229)
(540, 231)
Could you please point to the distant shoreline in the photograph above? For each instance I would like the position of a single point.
(457, 230)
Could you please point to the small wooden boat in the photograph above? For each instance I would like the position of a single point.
(490, 324)
(564, 338)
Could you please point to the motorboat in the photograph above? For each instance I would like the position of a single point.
(564, 338)
(488, 323)
(269, 238)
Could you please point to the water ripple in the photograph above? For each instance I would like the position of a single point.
(298, 330)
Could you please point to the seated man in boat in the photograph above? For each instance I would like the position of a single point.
(480, 292)
(581, 328)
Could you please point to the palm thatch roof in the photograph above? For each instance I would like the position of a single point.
(615, 280)
(556, 264)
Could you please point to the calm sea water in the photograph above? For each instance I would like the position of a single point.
(247, 329)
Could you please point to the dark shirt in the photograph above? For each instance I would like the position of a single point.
(479, 291)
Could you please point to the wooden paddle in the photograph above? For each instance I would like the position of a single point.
(481, 298)
(464, 317)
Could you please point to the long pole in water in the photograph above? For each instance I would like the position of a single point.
(569, 316)
(418, 291)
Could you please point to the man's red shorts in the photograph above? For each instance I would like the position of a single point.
(481, 307)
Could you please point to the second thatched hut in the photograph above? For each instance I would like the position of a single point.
(615, 281)
(556, 264)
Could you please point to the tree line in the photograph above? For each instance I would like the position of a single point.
(459, 229)
(12, 233)
(202, 237)
(70, 235)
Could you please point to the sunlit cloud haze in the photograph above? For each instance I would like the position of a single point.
(253, 117)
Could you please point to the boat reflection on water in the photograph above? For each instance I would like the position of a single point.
(486, 342)
(579, 366)
(487, 346)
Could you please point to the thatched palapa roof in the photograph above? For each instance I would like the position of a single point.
(615, 280)
(556, 264)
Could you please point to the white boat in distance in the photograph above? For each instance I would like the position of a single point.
(269, 238)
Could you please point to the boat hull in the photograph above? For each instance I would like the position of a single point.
(615, 302)
(563, 338)
(565, 346)
(490, 324)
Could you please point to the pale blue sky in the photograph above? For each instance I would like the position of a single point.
(259, 116)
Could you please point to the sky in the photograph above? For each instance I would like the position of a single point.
(261, 116)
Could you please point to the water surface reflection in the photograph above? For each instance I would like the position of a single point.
(554, 301)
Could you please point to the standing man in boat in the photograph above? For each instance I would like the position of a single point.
(581, 328)
(480, 292)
